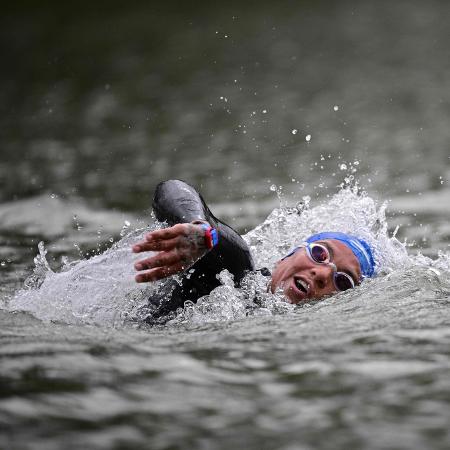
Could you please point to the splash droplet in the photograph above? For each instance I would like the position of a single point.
(336, 107)
(294, 131)
(308, 137)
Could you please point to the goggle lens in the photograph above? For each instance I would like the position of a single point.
(319, 253)
(342, 281)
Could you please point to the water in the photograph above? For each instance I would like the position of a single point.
(225, 371)
(213, 94)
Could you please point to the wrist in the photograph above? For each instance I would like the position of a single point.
(211, 234)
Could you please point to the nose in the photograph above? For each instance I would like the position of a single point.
(322, 275)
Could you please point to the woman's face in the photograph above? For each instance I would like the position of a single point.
(300, 278)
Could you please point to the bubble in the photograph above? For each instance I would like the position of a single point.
(264, 111)
(306, 200)
(336, 107)
(3, 263)
(273, 187)
(294, 131)
(343, 166)
(125, 227)
(53, 196)
(308, 137)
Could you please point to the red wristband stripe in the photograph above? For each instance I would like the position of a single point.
(211, 236)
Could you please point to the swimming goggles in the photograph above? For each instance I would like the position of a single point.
(319, 254)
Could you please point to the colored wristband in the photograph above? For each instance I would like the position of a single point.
(211, 236)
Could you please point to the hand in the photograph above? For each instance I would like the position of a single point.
(179, 247)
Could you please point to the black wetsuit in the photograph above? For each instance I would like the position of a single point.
(177, 202)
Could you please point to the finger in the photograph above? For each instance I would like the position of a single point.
(159, 273)
(159, 260)
(167, 233)
(155, 245)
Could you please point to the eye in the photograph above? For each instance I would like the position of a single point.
(319, 253)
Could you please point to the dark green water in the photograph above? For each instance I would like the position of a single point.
(100, 103)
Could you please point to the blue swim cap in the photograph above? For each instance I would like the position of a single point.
(360, 249)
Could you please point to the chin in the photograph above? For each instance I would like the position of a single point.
(291, 299)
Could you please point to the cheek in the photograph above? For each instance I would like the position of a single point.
(275, 278)
(328, 290)
(291, 265)
(282, 267)
(278, 274)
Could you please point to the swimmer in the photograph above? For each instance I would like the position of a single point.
(200, 245)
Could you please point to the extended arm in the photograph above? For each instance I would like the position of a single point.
(179, 204)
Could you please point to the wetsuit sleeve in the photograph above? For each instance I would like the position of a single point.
(177, 202)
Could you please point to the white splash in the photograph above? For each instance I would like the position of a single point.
(100, 290)
(348, 211)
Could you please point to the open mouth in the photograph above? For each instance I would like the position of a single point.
(301, 285)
